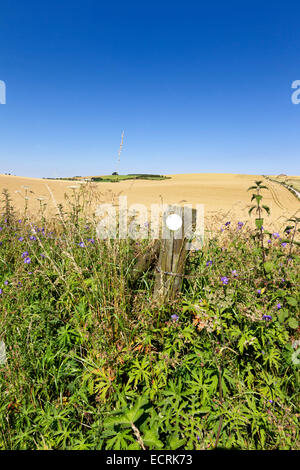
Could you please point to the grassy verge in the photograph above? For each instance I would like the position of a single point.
(93, 363)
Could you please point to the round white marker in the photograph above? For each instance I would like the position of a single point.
(174, 222)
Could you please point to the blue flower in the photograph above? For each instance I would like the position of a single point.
(275, 235)
(209, 263)
(224, 280)
(27, 260)
(175, 317)
(81, 244)
(278, 306)
(267, 317)
(25, 254)
(20, 239)
(227, 223)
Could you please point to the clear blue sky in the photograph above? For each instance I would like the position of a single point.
(196, 86)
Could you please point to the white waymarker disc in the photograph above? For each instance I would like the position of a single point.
(174, 222)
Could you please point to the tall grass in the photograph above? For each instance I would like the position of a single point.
(93, 363)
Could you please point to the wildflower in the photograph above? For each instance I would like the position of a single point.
(91, 240)
(259, 291)
(240, 224)
(282, 280)
(32, 237)
(29, 272)
(20, 221)
(20, 239)
(1, 229)
(227, 224)
(209, 263)
(1, 291)
(1, 243)
(222, 230)
(275, 235)
(278, 306)
(175, 317)
(224, 280)
(5, 283)
(27, 260)
(81, 244)
(234, 273)
(43, 256)
(269, 241)
(283, 244)
(25, 254)
(267, 317)
(270, 401)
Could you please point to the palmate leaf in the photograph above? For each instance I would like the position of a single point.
(150, 439)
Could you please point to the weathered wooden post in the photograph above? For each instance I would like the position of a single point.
(174, 247)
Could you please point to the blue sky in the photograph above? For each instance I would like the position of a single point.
(196, 86)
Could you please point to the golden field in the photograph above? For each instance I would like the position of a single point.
(224, 196)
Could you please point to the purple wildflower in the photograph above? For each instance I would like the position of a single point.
(259, 291)
(27, 260)
(5, 283)
(91, 240)
(20, 239)
(234, 273)
(209, 263)
(1, 291)
(275, 235)
(81, 244)
(278, 306)
(227, 224)
(224, 280)
(267, 317)
(43, 256)
(269, 241)
(20, 221)
(25, 254)
(283, 244)
(32, 237)
(270, 401)
(175, 317)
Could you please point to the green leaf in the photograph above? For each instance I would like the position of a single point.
(292, 322)
(268, 266)
(174, 442)
(283, 315)
(150, 439)
(259, 223)
(292, 301)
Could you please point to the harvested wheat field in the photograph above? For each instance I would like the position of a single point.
(225, 196)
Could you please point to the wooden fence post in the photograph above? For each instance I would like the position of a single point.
(173, 253)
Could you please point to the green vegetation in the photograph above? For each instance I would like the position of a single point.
(93, 363)
(114, 178)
